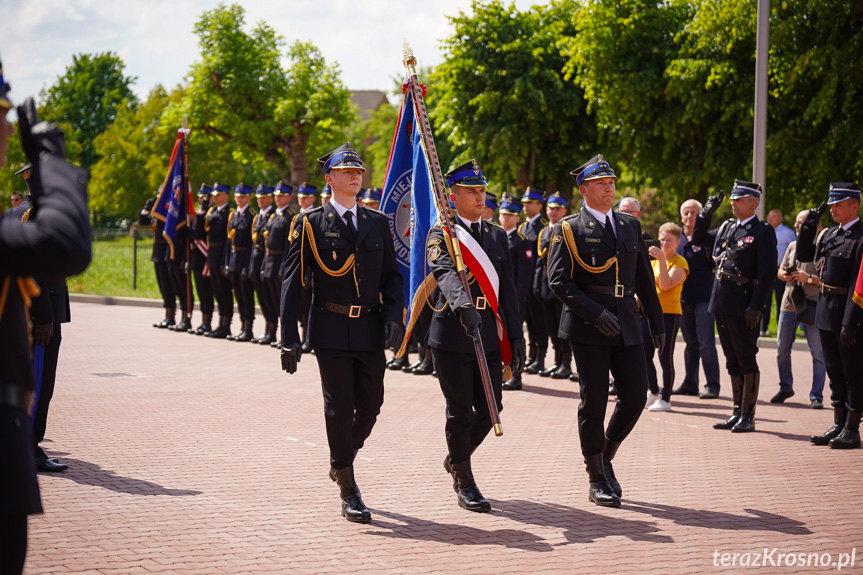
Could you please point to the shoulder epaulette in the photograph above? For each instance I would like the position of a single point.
(521, 235)
(544, 221)
(253, 212)
(494, 223)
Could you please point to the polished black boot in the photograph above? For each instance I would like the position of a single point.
(531, 355)
(840, 415)
(849, 437)
(246, 333)
(353, 508)
(565, 369)
(600, 491)
(751, 383)
(607, 455)
(205, 327)
(548, 371)
(270, 336)
(469, 496)
(184, 326)
(737, 394)
(426, 366)
(538, 364)
(224, 329)
(169, 320)
(513, 384)
(399, 363)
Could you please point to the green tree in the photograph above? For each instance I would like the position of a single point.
(15, 160)
(85, 101)
(240, 93)
(503, 97)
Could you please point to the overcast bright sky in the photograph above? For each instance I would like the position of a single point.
(155, 38)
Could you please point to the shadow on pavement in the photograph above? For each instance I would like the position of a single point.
(407, 527)
(754, 521)
(580, 526)
(551, 392)
(86, 473)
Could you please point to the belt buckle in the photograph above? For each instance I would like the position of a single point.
(481, 302)
(355, 311)
(618, 290)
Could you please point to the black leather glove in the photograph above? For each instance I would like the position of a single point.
(848, 336)
(244, 275)
(148, 205)
(607, 324)
(37, 137)
(752, 317)
(712, 204)
(262, 276)
(659, 341)
(394, 333)
(226, 272)
(291, 357)
(470, 320)
(42, 333)
(813, 218)
(518, 356)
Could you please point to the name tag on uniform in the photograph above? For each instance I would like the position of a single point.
(332, 234)
(592, 240)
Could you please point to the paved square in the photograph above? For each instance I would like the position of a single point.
(189, 455)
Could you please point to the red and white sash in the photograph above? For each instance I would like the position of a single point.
(202, 247)
(483, 270)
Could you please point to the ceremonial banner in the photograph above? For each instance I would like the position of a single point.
(408, 204)
(175, 196)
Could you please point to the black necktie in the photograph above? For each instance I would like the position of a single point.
(349, 216)
(474, 231)
(608, 229)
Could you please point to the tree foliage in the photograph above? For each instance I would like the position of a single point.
(240, 93)
(85, 100)
(503, 97)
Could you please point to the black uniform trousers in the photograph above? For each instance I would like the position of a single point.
(203, 285)
(593, 363)
(468, 420)
(353, 386)
(166, 286)
(244, 292)
(537, 331)
(272, 288)
(177, 273)
(551, 310)
(46, 388)
(271, 313)
(739, 344)
(18, 456)
(222, 291)
(845, 369)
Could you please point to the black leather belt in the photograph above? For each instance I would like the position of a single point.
(739, 280)
(352, 311)
(275, 252)
(615, 290)
(830, 290)
(259, 248)
(17, 397)
(215, 244)
(235, 249)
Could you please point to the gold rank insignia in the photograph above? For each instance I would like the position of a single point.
(296, 234)
(434, 252)
(556, 239)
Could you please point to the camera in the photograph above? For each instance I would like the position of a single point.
(650, 243)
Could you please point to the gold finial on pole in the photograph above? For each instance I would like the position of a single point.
(409, 60)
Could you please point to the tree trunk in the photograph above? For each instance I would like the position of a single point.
(296, 152)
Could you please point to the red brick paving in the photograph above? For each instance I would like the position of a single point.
(209, 459)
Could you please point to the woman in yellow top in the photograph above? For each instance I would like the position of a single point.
(670, 270)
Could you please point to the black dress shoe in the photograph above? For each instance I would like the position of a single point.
(548, 371)
(563, 372)
(685, 390)
(708, 394)
(781, 396)
(573, 377)
(469, 496)
(45, 464)
(816, 404)
(424, 368)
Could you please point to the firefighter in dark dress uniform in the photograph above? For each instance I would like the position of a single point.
(532, 202)
(276, 241)
(218, 250)
(837, 253)
(240, 239)
(306, 195)
(744, 249)
(456, 315)
(159, 257)
(54, 244)
(357, 310)
(597, 264)
(521, 252)
(264, 197)
(198, 263)
(552, 307)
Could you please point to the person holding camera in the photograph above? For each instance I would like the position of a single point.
(670, 271)
(798, 308)
(745, 255)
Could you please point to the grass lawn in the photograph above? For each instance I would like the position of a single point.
(111, 271)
